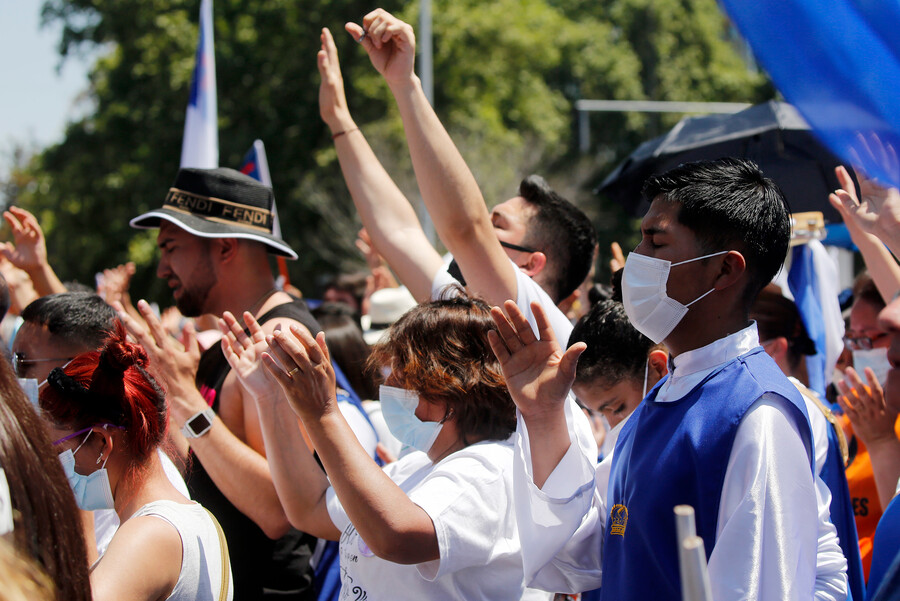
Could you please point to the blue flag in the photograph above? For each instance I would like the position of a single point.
(839, 63)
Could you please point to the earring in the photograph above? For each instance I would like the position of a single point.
(99, 458)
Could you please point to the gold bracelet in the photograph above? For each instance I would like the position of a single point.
(341, 133)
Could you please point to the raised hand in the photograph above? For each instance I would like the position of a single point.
(390, 43)
(244, 355)
(302, 366)
(332, 100)
(174, 362)
(538, 373)
(872, 419)
(30, 249)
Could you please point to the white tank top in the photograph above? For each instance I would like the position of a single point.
(201, 557)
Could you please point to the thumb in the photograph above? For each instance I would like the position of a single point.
(570, 359)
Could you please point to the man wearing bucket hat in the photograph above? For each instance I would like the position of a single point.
(215, 235)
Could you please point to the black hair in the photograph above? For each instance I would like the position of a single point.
(864, 289)
(562, 232)
(74, 317)
(615, 349)
(347, 346)
(777, 316)
(730, 205)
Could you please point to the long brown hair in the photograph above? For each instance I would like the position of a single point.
(47, 522)
(440, 349)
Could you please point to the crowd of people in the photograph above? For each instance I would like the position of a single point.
(474, 425)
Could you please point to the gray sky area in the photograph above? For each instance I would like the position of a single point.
(36, 99)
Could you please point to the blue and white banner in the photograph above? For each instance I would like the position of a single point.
(200, 146)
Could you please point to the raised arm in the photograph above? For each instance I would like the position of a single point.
(29, 252)
(539, 376)
(386, 214)
(299, 481)
(881, 265)
(238, 469)
(394, 528)
(448, 187)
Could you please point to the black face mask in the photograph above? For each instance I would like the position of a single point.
(454, 270)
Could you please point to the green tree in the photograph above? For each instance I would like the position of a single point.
(506, 75)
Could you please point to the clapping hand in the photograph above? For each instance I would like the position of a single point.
(301, 364)
(244, 355)
(872, 419)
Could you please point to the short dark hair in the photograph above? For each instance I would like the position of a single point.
(777, 316)
(864, 289)
(562, 232)
(81, 318)
(347, 346)
(729, 203)
(440, 349)
(615, 349)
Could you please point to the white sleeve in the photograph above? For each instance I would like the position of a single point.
(768, 491)
(560, 525)
(442, 284)
(467, 499)
(528, 291)
(365, 432)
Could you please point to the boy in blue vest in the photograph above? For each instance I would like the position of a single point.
(725, 432)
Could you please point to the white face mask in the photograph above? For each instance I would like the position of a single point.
(649, 308)
(876, 359)
(93, 491)
(398, 407)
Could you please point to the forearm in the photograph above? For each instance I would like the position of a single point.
(880, 263)
(45, 280)
(243, 476)
(392, 525)
(549, 440)
(299, 481)
(453, 198)
(885, 457)
(386, 213)
(448, 187)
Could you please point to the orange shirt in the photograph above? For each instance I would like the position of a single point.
(863, 493)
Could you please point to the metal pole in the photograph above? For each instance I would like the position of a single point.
(426, 74)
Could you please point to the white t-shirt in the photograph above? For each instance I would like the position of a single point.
(468, 496)
(527, 291)
(201, 554)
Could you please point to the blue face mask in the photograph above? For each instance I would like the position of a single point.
(93, 491)
(398, 406)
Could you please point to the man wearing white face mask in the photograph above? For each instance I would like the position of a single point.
(725, 432)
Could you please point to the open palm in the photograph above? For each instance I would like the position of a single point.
(538, 373)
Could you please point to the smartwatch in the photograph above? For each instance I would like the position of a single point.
(199, 424)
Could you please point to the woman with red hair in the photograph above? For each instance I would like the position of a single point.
(108, 416)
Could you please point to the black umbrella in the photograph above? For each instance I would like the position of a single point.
(773, 135)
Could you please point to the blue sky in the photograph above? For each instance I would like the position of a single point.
(36, 101)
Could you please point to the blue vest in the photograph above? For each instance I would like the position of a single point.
(842, 515)
(675, 453)
(885, 548)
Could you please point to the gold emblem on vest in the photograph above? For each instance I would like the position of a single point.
(618, 519)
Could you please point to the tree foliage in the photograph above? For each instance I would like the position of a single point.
(506, 74)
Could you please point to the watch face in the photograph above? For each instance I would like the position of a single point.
(199, 424)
